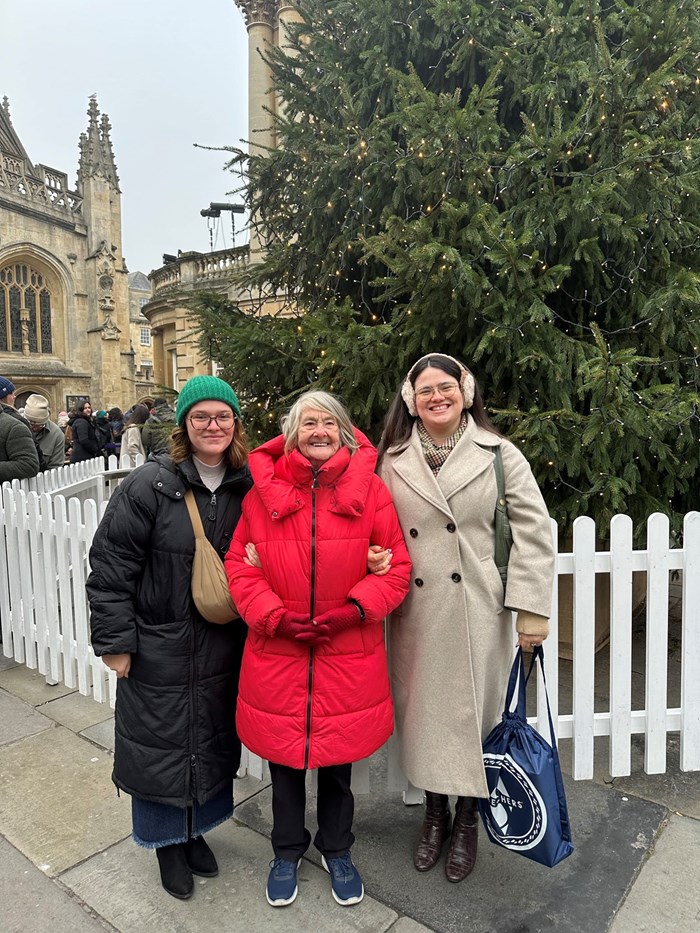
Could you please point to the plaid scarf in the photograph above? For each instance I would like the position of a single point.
(436, 454)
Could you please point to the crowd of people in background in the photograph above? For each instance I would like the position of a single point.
(32, 441)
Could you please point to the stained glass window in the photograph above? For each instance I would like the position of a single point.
(15, 323)
(24, 292)
(45, 314)
(3, 318)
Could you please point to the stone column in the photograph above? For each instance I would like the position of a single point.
(287, 15)
(261, 19)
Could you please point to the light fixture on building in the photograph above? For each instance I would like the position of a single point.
(214, 211)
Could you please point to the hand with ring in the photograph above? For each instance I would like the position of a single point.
(528, 642)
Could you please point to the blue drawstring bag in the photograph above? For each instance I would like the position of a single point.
(525, 811)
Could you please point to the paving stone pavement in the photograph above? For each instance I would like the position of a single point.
(67, 862)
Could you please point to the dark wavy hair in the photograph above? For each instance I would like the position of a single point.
(398, 423)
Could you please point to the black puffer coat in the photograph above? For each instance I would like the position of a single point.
(175, 714)
(85, 443)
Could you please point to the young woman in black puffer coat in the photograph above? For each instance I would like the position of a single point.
(85, 444)
(176, 750)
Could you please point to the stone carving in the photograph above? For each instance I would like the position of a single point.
(109, 331)
(96, 154)
(259, 11)
(106, 255)
(106, 303)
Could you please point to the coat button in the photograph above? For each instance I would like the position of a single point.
(456, 577)
(413, 532)
(419, 582)
(159, 485)
(450, 527)
(274, 514)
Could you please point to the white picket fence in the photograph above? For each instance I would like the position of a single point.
(49, 523)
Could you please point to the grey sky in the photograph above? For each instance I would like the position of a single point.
(168, 72)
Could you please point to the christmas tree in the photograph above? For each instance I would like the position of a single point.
(513, 183)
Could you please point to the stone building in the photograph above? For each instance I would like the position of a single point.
(140, 293)
(176, 351)
(65, 328)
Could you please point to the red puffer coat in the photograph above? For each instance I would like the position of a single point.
(308, 707)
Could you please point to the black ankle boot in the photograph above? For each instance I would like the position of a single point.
(200, 858)
(461, 855)
(175, 873)
(434, 832)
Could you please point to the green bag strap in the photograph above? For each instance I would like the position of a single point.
(504, 537)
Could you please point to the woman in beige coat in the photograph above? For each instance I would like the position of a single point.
(450, 641)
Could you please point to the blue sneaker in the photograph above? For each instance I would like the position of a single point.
(346, 883)
(282, 886)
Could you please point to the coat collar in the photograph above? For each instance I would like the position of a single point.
(174, 480)
(467, 461)
(278, 477)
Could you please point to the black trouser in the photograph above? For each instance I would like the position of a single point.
(335, 810)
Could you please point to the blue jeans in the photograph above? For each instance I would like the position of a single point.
(158, 824)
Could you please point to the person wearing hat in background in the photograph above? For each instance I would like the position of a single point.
(102, 431)
(47, 435)
(157, 430)
(18, 453)
(176, 746)
(7, 397)
(63, 421)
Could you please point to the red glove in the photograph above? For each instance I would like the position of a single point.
(297, 626)
(344, 617)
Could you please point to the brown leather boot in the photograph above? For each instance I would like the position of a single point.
(461, 856)
(434, 832)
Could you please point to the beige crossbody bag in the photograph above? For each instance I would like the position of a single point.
(210, 591)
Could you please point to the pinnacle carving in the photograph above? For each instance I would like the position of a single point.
(96, 154)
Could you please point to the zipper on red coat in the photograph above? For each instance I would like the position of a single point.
(312, 602)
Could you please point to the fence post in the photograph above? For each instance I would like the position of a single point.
(690, 640)
(65, 596)
(5, 619)
(49, 552)
(551, 655)
(584, 647)
(657, 643)
(620, 645)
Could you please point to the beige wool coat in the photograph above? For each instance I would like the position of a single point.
(451, 644)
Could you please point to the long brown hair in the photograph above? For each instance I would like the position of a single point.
(236, 454)
(138, 417)
(398, 423)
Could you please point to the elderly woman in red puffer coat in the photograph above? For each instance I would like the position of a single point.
(314, 689)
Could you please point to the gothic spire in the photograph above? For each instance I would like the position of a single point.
(96, 154)
(10, 142)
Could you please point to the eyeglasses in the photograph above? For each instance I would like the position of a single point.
(201, 421)
(444, 388)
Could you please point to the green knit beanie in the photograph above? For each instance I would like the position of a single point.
(204, 389)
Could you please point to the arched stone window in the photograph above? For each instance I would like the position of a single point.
(25, 310)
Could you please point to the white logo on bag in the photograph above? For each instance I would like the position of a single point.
(516, 816)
